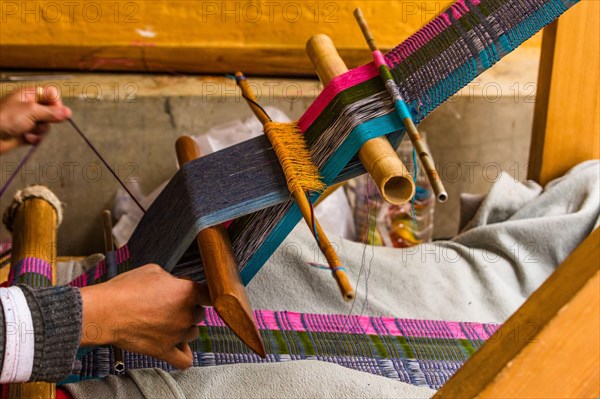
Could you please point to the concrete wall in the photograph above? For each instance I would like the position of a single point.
(135, 122)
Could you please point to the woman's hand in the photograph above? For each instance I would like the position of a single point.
(24, 119)
(147, 311)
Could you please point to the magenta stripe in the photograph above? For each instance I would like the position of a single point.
(359, 325)
(100, 270)
(428, 32)
(80, 281)
(38, 266)
(394, 57)
(337, 85)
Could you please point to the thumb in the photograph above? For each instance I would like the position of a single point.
(180, 356)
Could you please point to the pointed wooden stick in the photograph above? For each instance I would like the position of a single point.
(227, 293)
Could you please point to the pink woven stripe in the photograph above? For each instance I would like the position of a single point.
(291, 321)
(38, 266)
(31, 265)
(337, 85)
(428, 32)
(100, 270)
(80, 281)
(379, 58)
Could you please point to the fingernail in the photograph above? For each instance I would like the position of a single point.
(61, 113)
(31, 138)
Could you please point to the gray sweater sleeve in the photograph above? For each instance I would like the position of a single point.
(56, 316)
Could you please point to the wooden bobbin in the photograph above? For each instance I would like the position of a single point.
(377, 155)
(34, 235)
(333, 260)
(227, 293)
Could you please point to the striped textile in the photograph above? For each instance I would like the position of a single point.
(31, 271)
(419, 352)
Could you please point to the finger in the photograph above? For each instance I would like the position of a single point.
(49, 96)
(180, 357)
(25, 95)
(40, 129)
(198, 315)
(36, 134)
(202, 295)
(8, 145)
(191, 334)
(31, 138)
(43, 113)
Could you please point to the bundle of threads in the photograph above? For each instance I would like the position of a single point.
(302, 177)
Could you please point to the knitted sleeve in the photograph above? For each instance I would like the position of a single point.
(56, 318)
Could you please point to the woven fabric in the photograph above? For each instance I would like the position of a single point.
(33, 272)
(419, 352)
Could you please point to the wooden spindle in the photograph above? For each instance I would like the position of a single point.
(325, 245)
(34, 235)
(377, 155)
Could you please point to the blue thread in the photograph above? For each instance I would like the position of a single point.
(322, 267)
(402, 110)
(415, 178)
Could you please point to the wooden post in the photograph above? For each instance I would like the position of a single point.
(377, 155)
(227, 293)
(566, 124)
(34, 235)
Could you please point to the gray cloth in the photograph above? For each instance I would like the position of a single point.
(516, 238)
(514, 241)
(56, 316)
(299, 379)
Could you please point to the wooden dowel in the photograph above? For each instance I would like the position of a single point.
(34, 235)
(426, 160)
(325, 245)
(303, 205)
(227, 293)
(411, 129)
(377, 155)
(109, 246)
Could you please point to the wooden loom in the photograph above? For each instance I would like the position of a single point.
(566, 305)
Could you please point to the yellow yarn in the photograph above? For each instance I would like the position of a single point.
(295, 159)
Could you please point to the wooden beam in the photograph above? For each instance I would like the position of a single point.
(258, 37)
(550, 346)
(566, 126)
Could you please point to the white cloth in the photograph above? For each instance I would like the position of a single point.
(19, 342)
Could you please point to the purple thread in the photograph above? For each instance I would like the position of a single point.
(16, 172)
(89, 143)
